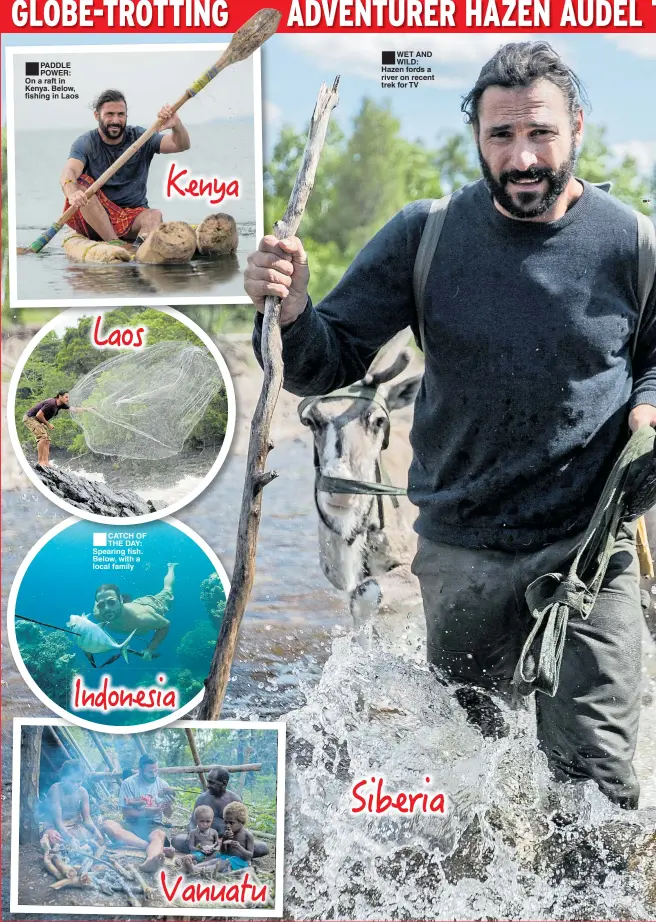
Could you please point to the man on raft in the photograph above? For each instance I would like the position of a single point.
(120, 210)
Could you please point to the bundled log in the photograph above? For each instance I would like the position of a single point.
(171, 243)
(95, 251)
(217, 236)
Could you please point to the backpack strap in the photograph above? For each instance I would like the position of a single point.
(425, 252)
(646, 268)
(433, 228)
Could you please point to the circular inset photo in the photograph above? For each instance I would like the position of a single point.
(115, 629)
(124, 414)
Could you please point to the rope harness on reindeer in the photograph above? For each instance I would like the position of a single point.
(553, 598)
(382, 486)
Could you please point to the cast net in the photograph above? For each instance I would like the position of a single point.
(145, 404)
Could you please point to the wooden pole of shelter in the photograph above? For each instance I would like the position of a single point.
(54, 735)
(63, 743)
(101, 749)
(51, 765)
(194, 752)
(259, 444)
(75, 748)
(30, 766)
(241, 782)
(140, 746)
(245, 42)
(183, 769)
(66, 733)
(103, 752)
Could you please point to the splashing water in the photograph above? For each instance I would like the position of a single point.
(512, 844)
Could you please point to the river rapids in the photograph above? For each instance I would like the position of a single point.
(512, 843)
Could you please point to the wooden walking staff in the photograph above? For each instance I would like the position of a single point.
(246, 40)
(259, 444)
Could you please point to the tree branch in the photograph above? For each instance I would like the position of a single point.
(260, 445)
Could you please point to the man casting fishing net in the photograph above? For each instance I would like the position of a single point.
(38, 421)
(121, 209)
(530, 389)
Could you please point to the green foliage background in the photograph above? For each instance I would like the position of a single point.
(223, 747)
(369, 175)
(57, 363)
(366, 174)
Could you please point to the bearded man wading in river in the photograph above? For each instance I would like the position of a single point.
(120, 209)
(529, 311)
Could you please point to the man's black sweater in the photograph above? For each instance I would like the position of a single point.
(528, 380)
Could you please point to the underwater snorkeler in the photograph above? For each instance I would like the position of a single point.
(141, 615)
(65, 812)
(145, 800)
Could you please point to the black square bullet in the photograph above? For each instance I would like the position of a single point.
(31, 68)
(389, 57)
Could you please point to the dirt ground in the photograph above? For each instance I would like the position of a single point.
(35, 883)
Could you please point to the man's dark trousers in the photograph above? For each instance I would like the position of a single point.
(477, 621)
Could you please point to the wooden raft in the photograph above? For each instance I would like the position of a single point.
(172, 243)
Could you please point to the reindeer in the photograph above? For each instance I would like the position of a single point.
(366, 541)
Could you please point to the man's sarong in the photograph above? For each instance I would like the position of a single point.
(121, 218)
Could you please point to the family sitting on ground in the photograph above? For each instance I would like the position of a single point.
(217, 835)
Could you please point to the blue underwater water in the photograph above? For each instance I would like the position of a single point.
(61, 582)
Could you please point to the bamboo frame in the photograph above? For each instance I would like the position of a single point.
(194, 752)
(182, 770)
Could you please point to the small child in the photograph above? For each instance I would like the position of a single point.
(204, 841)
(238, 843)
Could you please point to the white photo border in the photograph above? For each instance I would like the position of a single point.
(276, 912)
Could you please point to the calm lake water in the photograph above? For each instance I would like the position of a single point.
(224, 149)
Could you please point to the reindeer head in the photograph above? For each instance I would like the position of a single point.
(351, 429)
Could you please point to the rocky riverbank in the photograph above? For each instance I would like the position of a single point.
(93, 495)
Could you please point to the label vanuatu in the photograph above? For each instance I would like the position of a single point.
(405, 70)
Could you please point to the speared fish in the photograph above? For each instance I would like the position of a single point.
(93, 639)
